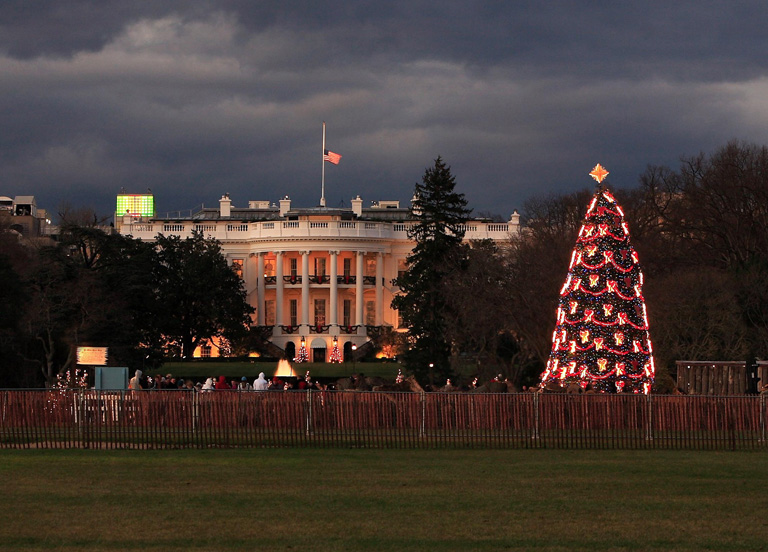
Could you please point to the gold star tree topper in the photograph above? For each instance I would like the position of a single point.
(599, 173)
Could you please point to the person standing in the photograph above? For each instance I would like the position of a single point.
(135, 383)
(260, 383)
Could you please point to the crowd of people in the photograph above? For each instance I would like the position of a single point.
(168, 382)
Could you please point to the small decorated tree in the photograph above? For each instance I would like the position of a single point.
(335, 353)
(302, 355)
(601, 335)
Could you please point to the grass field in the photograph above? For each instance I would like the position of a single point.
(289, 499)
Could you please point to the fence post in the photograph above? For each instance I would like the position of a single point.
(195, 411)
(535, 415)
(80, 415)
(649, 418)
(423, 415)
(309, 412)
(762, 418)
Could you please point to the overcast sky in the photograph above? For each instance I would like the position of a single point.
(195, 98)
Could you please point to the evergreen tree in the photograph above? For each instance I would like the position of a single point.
(440, 215)
(601, 335)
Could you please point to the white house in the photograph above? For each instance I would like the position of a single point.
(313, 274)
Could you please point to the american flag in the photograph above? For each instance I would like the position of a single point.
(332, 157)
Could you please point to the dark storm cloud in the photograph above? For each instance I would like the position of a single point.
(195, 98)
(716, 39)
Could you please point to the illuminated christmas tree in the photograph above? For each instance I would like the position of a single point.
(335, 353)
(302, 355)
(601, 335)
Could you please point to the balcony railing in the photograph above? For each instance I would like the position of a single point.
(313, 328)
(224, 230)
(376, 331)
(323, 280)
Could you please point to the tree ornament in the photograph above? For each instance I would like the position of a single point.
(598, 343)
(599, 173)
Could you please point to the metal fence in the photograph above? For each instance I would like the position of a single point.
(170, 419)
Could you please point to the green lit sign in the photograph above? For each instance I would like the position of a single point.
(135, 205)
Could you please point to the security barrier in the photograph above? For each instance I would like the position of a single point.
(177, 419)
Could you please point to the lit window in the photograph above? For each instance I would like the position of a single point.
(370, 266)
(347, 313)
(320, 266)
(319, 312)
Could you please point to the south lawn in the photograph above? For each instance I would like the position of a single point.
(307, 499)
(201, 370)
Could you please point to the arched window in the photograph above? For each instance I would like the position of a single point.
(348, 351)
(290, 350)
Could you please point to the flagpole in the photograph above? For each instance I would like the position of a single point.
(322, 181)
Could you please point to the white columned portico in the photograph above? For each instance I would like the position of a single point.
(334, 311)
(305, 287)
(379, 288)
(260, 289)
(359, 292)
(279, 288)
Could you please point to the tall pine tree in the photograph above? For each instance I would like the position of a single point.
(601, 335)
(440, 215)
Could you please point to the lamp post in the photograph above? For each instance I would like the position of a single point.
(354, 363)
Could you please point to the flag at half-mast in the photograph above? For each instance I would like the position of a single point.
(331, 157)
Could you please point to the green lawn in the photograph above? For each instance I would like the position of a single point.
(306, 499)
(236, 370)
